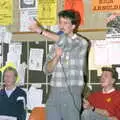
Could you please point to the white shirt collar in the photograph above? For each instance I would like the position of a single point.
(74, 36)
(9, 92)
(113, 89)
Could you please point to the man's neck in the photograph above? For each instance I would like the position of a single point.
(108, 89)
(10, 87)
(71, 34)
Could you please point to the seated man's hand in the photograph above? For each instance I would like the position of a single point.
(86, 104)
(113, 118)
(102, 112)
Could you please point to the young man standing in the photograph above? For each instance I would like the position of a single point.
(65, 62)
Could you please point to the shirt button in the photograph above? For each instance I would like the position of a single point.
(64, 105)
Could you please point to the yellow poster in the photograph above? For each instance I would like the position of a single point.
(46, 14)
(105, 5)
(6, 11)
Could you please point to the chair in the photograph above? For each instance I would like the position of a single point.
(38, 113)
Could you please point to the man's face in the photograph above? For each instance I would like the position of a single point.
(9, 78)
(106, 79)
(65, 25)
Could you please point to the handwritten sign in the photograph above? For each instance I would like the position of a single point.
(6, 7)
(105, 5)
(47, 12)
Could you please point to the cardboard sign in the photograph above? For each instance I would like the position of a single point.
(105, 5)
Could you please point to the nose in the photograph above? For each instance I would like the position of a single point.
(61, 26)
(102, 79)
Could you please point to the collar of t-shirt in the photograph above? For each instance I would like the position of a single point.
(113, 89)
(9, 92)
(74, 36)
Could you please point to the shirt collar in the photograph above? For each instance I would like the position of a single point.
(113, 89)
(74, 36)
(11, 89)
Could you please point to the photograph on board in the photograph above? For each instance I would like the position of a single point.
(27, 4)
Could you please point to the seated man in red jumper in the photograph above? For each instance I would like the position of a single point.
(105, 104)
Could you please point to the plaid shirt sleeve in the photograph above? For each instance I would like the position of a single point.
(51, 54)
(48, 58)
(83, 53)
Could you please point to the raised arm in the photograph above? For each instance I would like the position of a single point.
(35, 27)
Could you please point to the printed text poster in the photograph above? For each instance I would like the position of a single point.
(47, 12)
(105, 5)
(6, 9)
(76, 5)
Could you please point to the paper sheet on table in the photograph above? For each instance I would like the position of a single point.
(4, 117)
(36, 59)
(34, 97)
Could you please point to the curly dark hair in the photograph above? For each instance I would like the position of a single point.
(73, 15)
(112, 70)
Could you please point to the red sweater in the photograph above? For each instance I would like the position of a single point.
(110, 102)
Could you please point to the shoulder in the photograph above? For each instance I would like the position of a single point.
(83, 40)
(2, 91)
(20, 91)
(61, 39)
(117, 92)
(95, 94)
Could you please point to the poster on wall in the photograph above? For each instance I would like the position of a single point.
(47, 12)
(106, 51)
(113, 24)
(105, 5)
(27, 4)
(36, 59)
(76, 5)
(25, 17)
(6, 8)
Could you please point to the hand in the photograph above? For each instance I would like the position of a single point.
(58, 52)
(34, 27)
(102, 112)
(86, 104)
(105, 112)
(113, 118)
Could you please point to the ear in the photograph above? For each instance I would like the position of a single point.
(113, 80)
(14, 80)
(73, 27)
